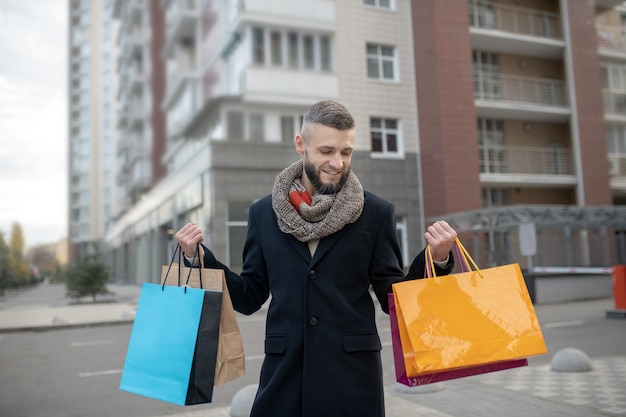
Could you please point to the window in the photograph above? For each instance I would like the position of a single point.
(258, 46)
(486, 76)
(616, 139)
(482, 14)
(256, 127)
(234, 125)
(237, 228)
(495, 197)
(383, 4)
(325, 54)
(385, 135)
(292, 49)
(277, 48)
(491, 146)
(401, 231)
(309, 52)
(381, 62)
(287, 133)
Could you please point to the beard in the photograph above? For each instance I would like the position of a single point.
(320, 187)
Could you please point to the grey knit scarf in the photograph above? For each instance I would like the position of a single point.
(317, 216)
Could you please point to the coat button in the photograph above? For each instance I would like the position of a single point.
(313, 321)
(312, 274)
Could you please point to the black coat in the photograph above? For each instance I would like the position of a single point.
(322, 349)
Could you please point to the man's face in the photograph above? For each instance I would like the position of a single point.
(326, 153)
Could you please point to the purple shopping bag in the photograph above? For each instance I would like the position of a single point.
(403, 378)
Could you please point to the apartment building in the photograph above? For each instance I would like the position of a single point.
(495, 115)
(240, 75)
(513, 122)
(92, 137)
(612, 50)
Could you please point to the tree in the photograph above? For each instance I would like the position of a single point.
(43, 258)
(16, 252)
(5, 264)
(88, 276)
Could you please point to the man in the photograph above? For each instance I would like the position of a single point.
(316, 245)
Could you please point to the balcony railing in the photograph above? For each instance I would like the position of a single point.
(617, 165)
(525, 160)
(612, 38)
(179, 8)
(520, 20)
(501, 87)
(614, 102)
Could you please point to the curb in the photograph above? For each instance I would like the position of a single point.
(62, 326)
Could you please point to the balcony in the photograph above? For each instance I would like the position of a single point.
(131, 41)
(518, 97)
(611, 41)
(181, 20)
(614, 105)
(309, 14)
(182, 110)
(501, 28)
(136, 115)
(136, 78)
(617, 165)
(607, 4)
(179, 74)
(275, 85)
(534, 166)
(140, 175)
(518, 20)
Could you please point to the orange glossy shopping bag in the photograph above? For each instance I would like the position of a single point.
(472, 318)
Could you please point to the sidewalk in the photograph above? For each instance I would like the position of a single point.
(534, 390)
(46, 308)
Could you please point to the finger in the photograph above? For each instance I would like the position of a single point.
(441, 237)
(188, 237)
(440, 231)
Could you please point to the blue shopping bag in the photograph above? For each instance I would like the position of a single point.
(172, 350)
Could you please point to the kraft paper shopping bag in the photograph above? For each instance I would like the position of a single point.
(230, 355)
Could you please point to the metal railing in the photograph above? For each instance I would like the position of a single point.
(617, 164)
(502, 87)
(525, 160)
(487, 15)
(614, 102)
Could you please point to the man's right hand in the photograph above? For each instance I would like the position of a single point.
(188, 237)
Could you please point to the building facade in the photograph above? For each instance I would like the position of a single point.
(92, 118)
(493, 115)
(240, 75)
(513, 108)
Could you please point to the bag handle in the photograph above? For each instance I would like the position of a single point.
(466, 261)
(196, 255)
(179, 251)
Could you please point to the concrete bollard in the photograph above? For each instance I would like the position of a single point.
(571, 360)
(241, 404)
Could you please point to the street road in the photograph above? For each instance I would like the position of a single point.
(76, 372)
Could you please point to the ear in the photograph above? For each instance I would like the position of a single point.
(299, 142)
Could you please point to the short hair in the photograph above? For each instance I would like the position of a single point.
(328, 113)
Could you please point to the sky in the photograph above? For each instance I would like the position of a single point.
(33, 119)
